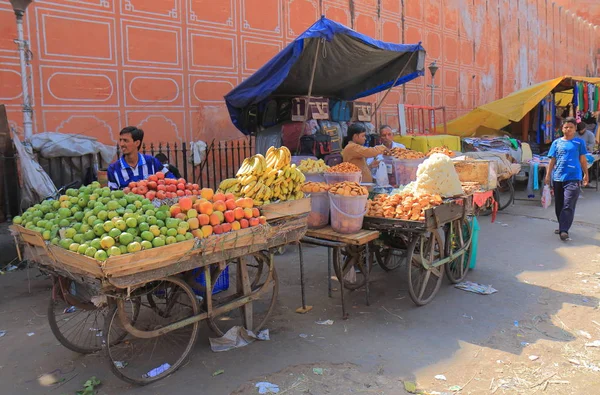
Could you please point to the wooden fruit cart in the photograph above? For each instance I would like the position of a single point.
(145, 308)
(441, 243)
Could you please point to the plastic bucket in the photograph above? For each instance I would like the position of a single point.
(347, 212)
(319, 210)
(314, 177)
(474, 242)
(332, 178)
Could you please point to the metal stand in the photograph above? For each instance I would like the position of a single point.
(304, 309)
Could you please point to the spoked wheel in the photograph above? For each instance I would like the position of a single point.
(390, 253)
(424, 279)
(353, 267)
(253, 285)
(74, 320)
(458, 237)
(147, 353)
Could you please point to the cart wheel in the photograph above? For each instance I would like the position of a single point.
(389, 258)
(255, 276)
(425, 280)
(458, 238)
(77, 323)
(354, 259)
(143, 361)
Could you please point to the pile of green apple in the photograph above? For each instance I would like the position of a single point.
(100, 223)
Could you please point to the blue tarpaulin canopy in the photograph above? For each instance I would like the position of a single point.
(349, 66)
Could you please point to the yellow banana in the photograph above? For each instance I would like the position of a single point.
(248, 187)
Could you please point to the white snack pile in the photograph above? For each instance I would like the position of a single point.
(436, 176)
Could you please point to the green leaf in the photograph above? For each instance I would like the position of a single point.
(318, 371)
(218, 372)
(411, 387)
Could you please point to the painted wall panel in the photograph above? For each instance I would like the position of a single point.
(165, 65)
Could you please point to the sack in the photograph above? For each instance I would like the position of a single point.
(322, 145)
(362, 111)
(291, 134)
(317, 109)
(269, 114)
(546, 197)
(340, 110)
(381, 175)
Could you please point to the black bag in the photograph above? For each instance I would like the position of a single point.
(249, 119)
(284, 110)
(333, 159)
(308, 146)
(322, 145)
(269, 114)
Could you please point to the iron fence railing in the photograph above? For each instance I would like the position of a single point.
(217, 161)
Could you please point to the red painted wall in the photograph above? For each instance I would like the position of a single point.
(165, 65)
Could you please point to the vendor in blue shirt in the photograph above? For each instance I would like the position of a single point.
(132, 165)
(567, 170)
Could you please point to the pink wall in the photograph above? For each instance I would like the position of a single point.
(165, 65)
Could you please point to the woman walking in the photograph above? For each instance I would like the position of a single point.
(567, 166)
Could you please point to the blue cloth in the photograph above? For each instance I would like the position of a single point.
(335, 76)
(535, 171)
(120, 174)
(575, 96)
(567, 154)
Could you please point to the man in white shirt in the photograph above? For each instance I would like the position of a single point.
(387, 138)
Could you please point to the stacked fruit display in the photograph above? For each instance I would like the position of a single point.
(100, 223)
(312, 166)
(405, 206)
(159, 187)
(266, 179)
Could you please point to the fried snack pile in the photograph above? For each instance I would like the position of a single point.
(314, 187)
(344, 167)
(441, 150)
(407, 206)
(436, 176)
(402, 153)
(348, 188)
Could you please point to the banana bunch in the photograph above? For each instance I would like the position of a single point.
(278, 158)
(313, 166)
(267, 179)
(252, 166)
(230, 185)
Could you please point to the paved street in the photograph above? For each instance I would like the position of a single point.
(546, 307)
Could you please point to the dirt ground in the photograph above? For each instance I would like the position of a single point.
(529, 337)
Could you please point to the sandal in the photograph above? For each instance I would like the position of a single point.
(564, 236)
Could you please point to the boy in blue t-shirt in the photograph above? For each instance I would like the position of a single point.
(569, 165)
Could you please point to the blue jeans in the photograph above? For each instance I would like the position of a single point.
(566, 194)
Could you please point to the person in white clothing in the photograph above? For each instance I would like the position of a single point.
(387, 138)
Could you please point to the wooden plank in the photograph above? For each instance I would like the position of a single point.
(473, 170)
(360, 238)
(285, 209)
(200, 260)
(72, 262)
(29, 236)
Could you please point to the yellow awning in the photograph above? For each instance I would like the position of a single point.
(512, 108)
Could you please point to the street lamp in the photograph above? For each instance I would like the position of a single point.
(19, 6)
(433, 68)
